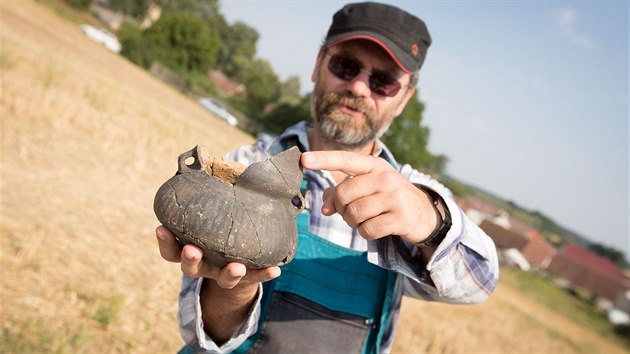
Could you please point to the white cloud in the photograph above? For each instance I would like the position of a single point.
(566, 18)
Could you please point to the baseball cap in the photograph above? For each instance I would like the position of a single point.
(404, 36)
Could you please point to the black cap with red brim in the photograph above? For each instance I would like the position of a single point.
(402, 35)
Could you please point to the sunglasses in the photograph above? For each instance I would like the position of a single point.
(381, 83)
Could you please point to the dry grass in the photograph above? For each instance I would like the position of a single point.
(87, 139)
(507, 323)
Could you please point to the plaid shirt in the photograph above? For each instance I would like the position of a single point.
(463, 269)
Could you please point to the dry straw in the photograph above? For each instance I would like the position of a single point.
(87, 139)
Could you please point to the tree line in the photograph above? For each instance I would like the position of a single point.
(192, 37)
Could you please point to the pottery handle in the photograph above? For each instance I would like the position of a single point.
(194, 166)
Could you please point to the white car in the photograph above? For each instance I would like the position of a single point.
(219, 109)
(103, 37)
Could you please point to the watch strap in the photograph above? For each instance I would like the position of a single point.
(443, 216)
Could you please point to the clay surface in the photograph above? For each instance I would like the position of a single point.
(234, 213)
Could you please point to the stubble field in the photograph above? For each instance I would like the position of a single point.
(87, 139)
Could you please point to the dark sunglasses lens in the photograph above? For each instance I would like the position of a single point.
(384, 85)
(343, 68)
(347, 69)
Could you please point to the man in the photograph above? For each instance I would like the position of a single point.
(400, 231)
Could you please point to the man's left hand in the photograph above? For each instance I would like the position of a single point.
(375, 199)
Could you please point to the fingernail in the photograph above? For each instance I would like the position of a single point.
(309, 158)
(190, 257)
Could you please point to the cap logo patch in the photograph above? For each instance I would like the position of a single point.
(414, 49)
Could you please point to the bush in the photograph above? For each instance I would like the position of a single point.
(183, 42)
(623, 331)
(286, 115)
(134, 46)
(79, 4)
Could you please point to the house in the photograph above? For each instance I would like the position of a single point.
(587, 270)
(509, 244)
(112, 19)
(476, 209)
(502, 237)
(594, 260)
(539, 252)
(224, 84)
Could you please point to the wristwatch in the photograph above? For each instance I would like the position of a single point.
(443, 216)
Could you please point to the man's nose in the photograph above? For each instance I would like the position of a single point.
(360, 85)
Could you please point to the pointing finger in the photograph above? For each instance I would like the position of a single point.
(350, 163)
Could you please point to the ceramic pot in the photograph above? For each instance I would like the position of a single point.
(251, 221)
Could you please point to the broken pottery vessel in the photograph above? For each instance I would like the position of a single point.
(246, 217)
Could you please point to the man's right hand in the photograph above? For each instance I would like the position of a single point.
(191, 259)
(226, 301)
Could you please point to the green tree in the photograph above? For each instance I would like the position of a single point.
(134, 45)
(459, 189)
(407, 138)
(287, 114)
(134, 8)
(609, 252)
(80, 4)
(238, 50)
(438, 164)
(208, 10)
(183, 42)
(263, 86)
(290, 91)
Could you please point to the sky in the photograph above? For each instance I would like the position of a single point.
(527, 99)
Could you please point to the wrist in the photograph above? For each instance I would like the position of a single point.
(443, 219)
(242, 293)
(223, 311)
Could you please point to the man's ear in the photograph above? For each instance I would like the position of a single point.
(403, 102)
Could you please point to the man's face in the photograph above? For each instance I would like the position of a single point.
(347, 111)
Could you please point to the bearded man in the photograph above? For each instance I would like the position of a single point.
(375, 230)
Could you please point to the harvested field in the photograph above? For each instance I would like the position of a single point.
(87, 139)
(507, 323)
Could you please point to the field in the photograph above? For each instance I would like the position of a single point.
(87, 139)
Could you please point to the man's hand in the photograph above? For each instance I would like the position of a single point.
(375, 199)
(226, 301)
(191, 259)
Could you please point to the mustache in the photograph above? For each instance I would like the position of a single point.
(348, 100)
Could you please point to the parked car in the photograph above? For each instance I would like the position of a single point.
(102, 36)
(219, 109)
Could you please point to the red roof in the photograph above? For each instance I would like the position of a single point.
(592, 259)
(224, 84)
(539, 253)
(587, 277)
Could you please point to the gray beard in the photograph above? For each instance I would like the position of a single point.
(338, 127)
